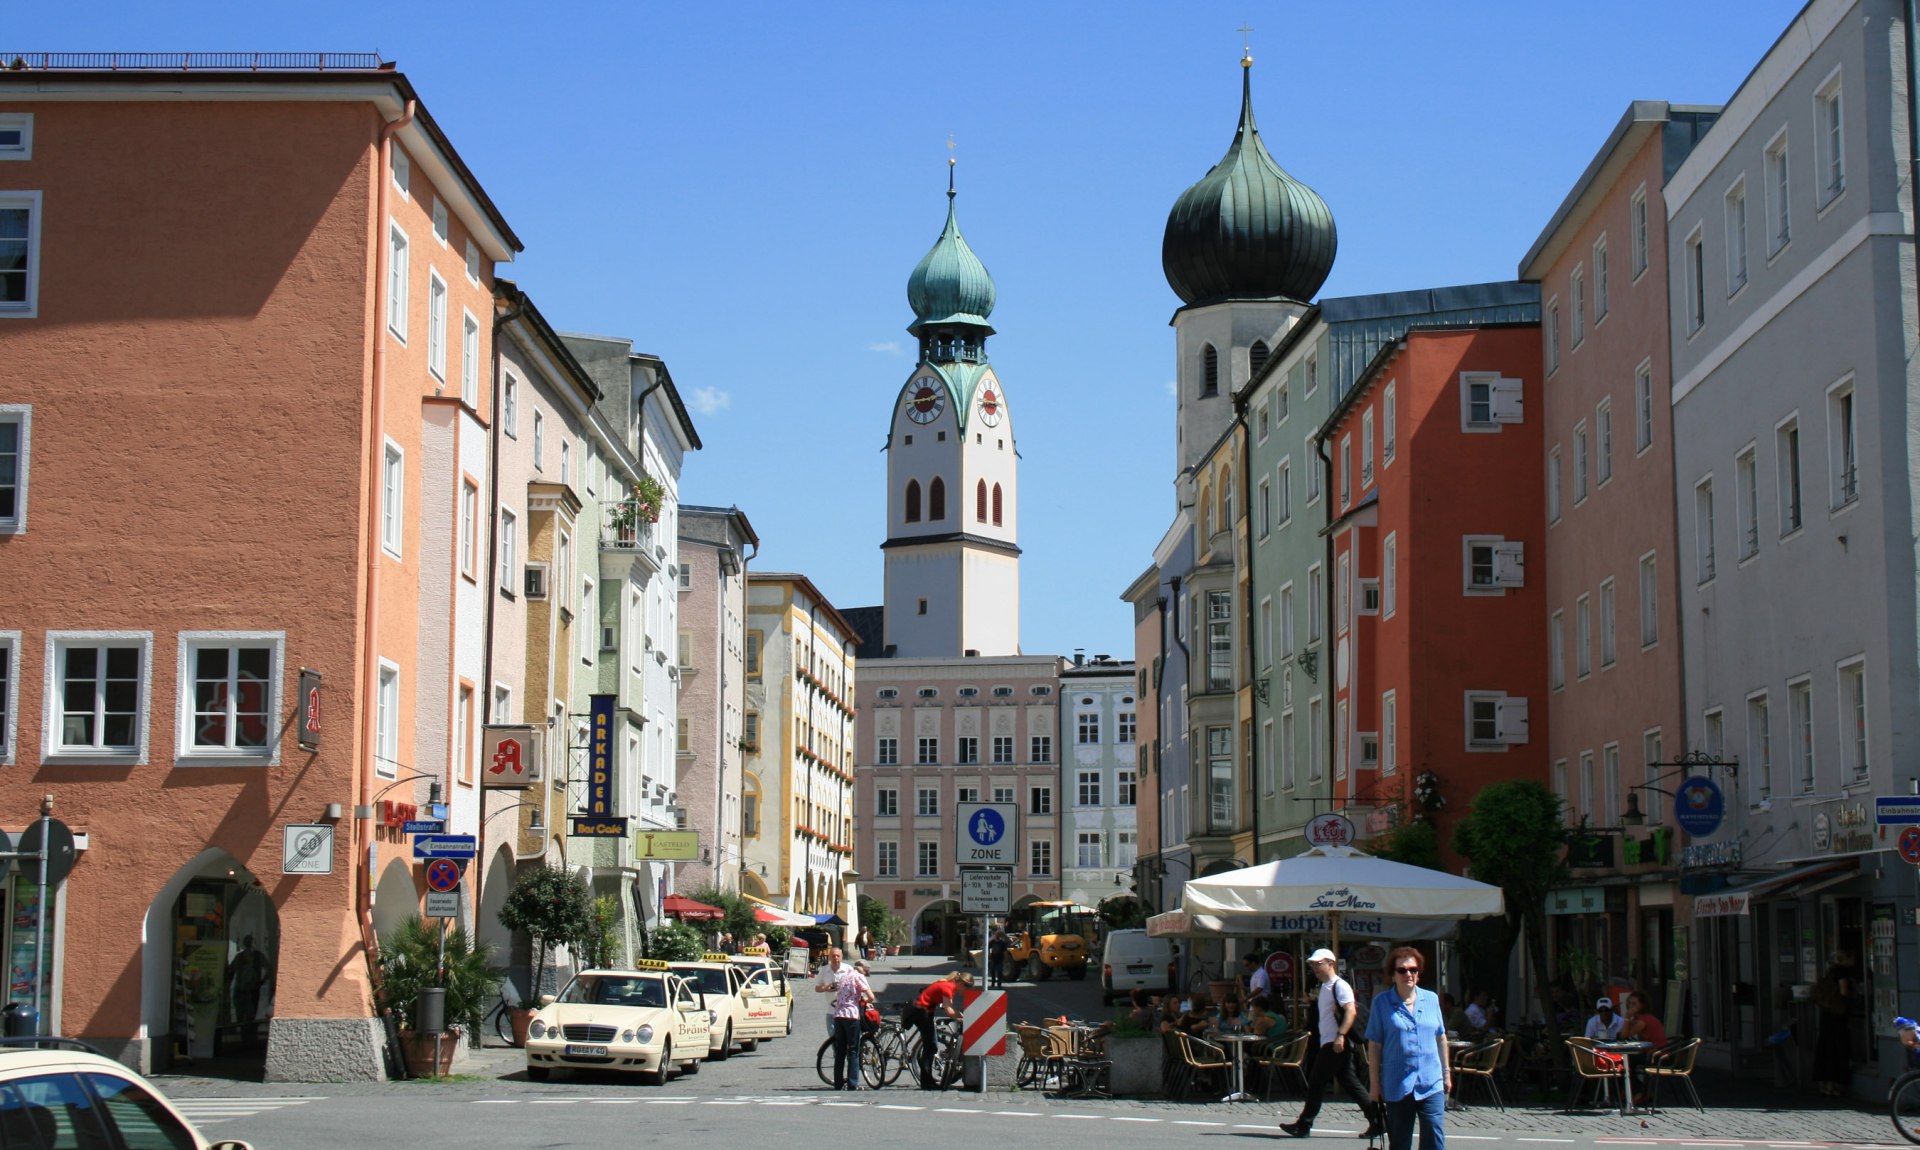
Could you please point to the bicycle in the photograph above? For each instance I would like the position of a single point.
(947, 1059)
(501, 1016)
(883, 1055)
(1903, 1097)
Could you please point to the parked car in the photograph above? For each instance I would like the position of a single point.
(646, 1021)
(1132, 961)
(63, 1092)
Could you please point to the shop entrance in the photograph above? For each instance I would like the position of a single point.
(939, 929)
(219, 943)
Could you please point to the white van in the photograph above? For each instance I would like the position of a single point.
(1132, 961)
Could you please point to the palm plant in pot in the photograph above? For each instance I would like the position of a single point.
(412, 961)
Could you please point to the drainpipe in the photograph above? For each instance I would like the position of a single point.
(487, 588)
(1252, 646)
(1326, 630)
(1913, 118)
(369, 739)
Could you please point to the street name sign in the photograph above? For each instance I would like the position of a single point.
(986, 890)
(424, 826)
(445, 847)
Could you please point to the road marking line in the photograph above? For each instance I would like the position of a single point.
(843, 1104)
(669, 1101)
(954, 1110)
(1129, 1118)
(1016, 1113)
(614, 1102)
(555, 1101)
(496, 1101)
(1473, 1138)
(1088, 1117)
(1192, 1122)
(896, 1106)
(1251, 1126)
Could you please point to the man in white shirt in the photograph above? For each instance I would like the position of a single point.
(1605, 1024)
(1256, 976)
(1337, 1014)
(826, 980)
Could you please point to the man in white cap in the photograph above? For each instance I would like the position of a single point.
(1605, 1024)
(1337, 1013)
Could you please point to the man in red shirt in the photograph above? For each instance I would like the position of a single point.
(941, 996)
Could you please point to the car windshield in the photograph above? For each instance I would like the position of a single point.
(709, 981)
(616, 990)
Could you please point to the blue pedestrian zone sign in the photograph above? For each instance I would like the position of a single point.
(988, 828)
(986, 835)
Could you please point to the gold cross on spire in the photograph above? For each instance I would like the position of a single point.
(1246, 41)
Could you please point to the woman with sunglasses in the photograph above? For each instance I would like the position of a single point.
(1407, 1049)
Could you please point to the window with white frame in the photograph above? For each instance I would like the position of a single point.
(1736, 223)
(1491, 564)
(229, 693)
(886, 858)
(1495, 720)
(1703, 528)
(1003, 794)
(1577, 306)
(393, 499)
(1786, 460)
(436, 325)
(1087, 789)
(1800, 733)
(1315, 597)
(402, 170)
(1649, 599)
(1286, 621)
(1040, 800)
(1746, 502)
(566, 467)
(1608, 650)
(1390, 574)
(473, 263)
(1389, 732)
(1280, 410)
(1262, 420)
(1126, 848)
(1829, 141)
(1487, 401)
(462, 749)
(1610, 785)
(1552, 325)
(1779, 208)
(1759, 761)
(1263, 509)
(1843, 467)
(1583, 636)
(927, 751)
(16, 135)
(97, 684)
(1003, 748)
(1693, 266)
(1579, 463)
(1219, 642)
(397, 279)
(927, 801)
(1560, 789)
(510, 406)
(1312, 372)
(9, 693)
(1643, 407)
(440, 220)
(1346, 470)
(1287, 764)
(886, 802)
(1599, 280)
(1557, 650)
(1589, 800)
(1366, 447)
(967, 749)
(19, 254)
(539, 441)
(1126, 787)
(1637, 223)
(1087, 853)
(1040, 749)
(1266, 632)
(1603, 442)
(1285, 473)
(469, 359)
(1854, 764)
(1651, 757)
(887, 751)
(509, 525)
(929, 860)
(1316, 728)
(1220, 780)
(1313, 472)
(1389, 409)
(16, 434)
(966, 794)
(386, 721)
(1040, 856)
(1553, 484)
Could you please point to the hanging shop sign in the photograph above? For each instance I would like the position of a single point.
(1699, 806)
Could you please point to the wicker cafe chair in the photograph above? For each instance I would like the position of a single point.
(1674, 1063)
(1173, 1066)
(1477, 1064)
(1203, 1058)
(1036, 1063)
(1586, 1069)
(1283, 1055)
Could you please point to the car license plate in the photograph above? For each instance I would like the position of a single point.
(1145, 968)
(587, 1051)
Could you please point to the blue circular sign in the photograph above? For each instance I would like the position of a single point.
(986, 827)
(1698, 806)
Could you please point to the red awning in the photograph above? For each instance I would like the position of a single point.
(679, 906)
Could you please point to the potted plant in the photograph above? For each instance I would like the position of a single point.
(554, 910)
(412, 960)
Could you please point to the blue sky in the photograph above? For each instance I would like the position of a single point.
(743, 189)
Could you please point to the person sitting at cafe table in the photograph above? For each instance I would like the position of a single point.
(1230, 1021)
(1605, 1024)
(1456, 1017)
(1260, 1017)
(1197, 1018)
(1642, 1025)
(1144, 1010)
(1481, 1013)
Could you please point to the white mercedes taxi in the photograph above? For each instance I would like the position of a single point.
(769, 998)
(63, 1092)
(724, 986)
(645, 1021)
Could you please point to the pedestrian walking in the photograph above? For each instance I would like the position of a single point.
(1334, 1058)
(919, 1014)
(1410, 1071)
(851, 996)
(997, 957)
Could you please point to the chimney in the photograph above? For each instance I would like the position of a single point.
(1079, 656)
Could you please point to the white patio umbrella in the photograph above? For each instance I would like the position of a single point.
(1181, 924)
(1341, 882)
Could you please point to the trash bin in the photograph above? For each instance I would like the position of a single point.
(19, 1020)
(430, 1017)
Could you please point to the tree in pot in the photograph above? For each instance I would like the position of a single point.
(412, 961)
(554, 910)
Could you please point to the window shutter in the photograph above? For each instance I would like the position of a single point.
(1509, 564)
(1510, 717)
(1506, 400)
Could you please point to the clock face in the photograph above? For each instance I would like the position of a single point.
(926, 401)
(990, 405)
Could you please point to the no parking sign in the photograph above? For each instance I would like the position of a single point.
(1910, 845)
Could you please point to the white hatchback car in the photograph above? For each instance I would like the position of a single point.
(61, 1092)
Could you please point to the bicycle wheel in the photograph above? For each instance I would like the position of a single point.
(823, 1062)
(503, 1024)
(1904, 1101)
(894, 1057)
(873, 1062)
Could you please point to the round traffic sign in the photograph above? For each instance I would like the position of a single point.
(443, 875)
(986, 827)
(1910, 845)
(59, 851)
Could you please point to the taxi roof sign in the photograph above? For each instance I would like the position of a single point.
(713, 956)
(756, 950)
(652, 964)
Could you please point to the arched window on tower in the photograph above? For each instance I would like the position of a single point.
(1226, 500)
(980, 501)
(937, 498)
(1209, 372)
(996, 505)
(1256, 358)
(913, 500)
(1206, 516)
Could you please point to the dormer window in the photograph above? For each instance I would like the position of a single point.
(1042, 690)
(968, 692)
(1003, 692)
(928, 692)
(887, 693)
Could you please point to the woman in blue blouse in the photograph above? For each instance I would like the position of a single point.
(1407, 1055)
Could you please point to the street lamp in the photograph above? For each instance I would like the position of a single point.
(1690, 763)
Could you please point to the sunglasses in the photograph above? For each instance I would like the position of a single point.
(1413, 970)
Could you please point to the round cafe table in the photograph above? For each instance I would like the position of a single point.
(1238, 1043)
(1626, 1049)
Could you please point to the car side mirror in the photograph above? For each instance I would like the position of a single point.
(546, 1000)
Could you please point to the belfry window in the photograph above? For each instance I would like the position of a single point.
(996, 505)
(913, 501)
(1256, 358)
(937, 498)
(980, 501)
(1209, 372)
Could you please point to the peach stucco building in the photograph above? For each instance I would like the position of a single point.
(252, 384)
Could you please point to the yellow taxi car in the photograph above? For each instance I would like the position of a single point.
(645, 1021)
(769, 996)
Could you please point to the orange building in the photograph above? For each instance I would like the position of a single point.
(245, 376)
(1439, 633)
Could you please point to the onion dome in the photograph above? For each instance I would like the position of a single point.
(950, 285)
(1247, 230)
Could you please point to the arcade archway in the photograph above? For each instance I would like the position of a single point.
(209, 965)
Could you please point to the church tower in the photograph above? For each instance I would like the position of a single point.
(953, 560)
(1245, 249)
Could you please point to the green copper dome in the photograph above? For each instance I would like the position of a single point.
(950, 285)
(1247, 230)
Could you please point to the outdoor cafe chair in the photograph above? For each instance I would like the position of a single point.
(1673, 1063)
(1283, 1055)
(1173, 1065)
(1587, 1069)
(1037, 1063)
(1477, 1064)
(1203, 1058)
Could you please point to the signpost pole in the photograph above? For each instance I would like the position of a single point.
(40, 917)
